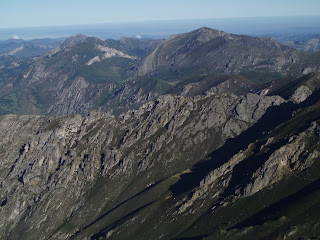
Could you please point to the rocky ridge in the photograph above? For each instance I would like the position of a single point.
(63, 156)
(101, 163)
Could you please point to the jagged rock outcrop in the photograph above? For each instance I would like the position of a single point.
(64, 156)
(100, 175)
(301, 94)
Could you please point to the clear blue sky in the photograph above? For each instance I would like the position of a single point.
(31, 13)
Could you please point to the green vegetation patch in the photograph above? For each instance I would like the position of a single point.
(261, 76)
(9, 103)
(109, 70)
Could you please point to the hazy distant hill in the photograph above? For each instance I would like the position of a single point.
(311, 45)
(31, 48)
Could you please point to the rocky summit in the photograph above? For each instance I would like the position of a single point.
(228, 53)
(231, 154)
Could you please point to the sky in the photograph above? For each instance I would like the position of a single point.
(34, 13)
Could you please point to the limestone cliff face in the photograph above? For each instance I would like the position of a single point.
(176, 158)
(48, 164)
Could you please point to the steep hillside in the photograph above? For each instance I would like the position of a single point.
(214, 50)
(11, 95)
(137, 148)
(215, 166)
(78, 76)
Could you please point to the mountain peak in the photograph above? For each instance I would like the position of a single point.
(73, 40)
(208, 30)
(220, 52)
(206, 34)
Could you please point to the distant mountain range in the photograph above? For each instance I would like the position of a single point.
(311, 45)
(115, 75)
(30, 48)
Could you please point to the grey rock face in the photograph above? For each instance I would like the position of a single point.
(74, 96)
(63, 157)
(301, 94)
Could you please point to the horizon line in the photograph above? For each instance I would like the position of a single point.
(156, 20)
